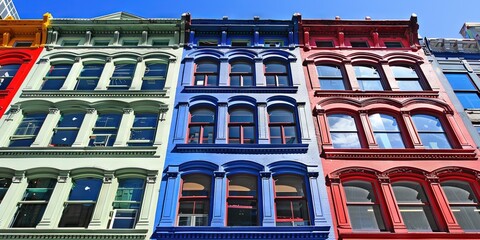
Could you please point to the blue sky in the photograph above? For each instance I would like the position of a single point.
(437, 18)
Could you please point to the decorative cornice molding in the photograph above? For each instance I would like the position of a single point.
(376, 94)
(64, 234)
(228, 89)
(94, 94)
(243, 148)
(401, 155)
(78, 152)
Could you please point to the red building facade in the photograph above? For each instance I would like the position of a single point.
(21, 44)
(398, 160)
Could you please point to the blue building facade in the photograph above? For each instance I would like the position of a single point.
(242, 159)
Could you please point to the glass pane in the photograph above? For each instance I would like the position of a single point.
(77, 215)
(271, 81)
(366, 217)
(289, 186)
(467, 216)
(199, 80)
(275, 135)
(233, 134)
(21, 143)
(108, 120)
(60, 70)
(235, 81)
(383, 122)
(409, 85)
(124, 70)
(366, 72)
(427, 123)
(290, 134)
(39, 189)
(409, 192)
(85, 84)
(71, 120)
(92, 70)
(124, 222)
(389, 140)
(247, 81)
(194, 134)
(29, 215)
(207, 67)
(332, 84)
(207, 134)
(275, 67)
(460, 81)
(279, 115)
(202, 115)
(120, 84)
(329, 71)
(249, 134)
(418, 219)
(283, 81)
(142, 134)
(53, 84)
(284, 209)
(359, 191)
(242, 185)
(153, 70)
(103, 137)
(85, 189)
(212, 80)
(435, 141)
(145, 120)
(241, 115)
(345, 140)
(370, 85)
(403, 72)
(4, 185)
(341, 122)
(242, 217)
(241, 67)
(184, 221)
(458, 192)
(196, 185)
(7, 72)
(130, 190)
(63, 138)
(31, 124)
(153, 84)
(300, 211)
(469, 99)
(186, 207)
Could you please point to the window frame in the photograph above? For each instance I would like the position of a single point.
(420, 79)
(291, 199)
(360, 132)
(206, 74)
(206, 200)
(241, 74)
(343, 78)
(282, 125)
(126, 210)
(202, 125)
(154, 78)
(69, 128)
(381, 77)
(450, 139)
(475, 91)
(248, 198)
(241, 125)
(32, 137)
(8, 79)
(147, 142)
(276, 75)
(401, 129)
(128, 79)
(48, 78)
(107, 136)
(89, 78)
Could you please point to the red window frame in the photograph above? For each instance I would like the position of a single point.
(195, 199)
(277, 74)
(202, 126)
(291, 199)
(473, 186)
(282, 125)
(251, 198)
(205, 74)
(242, 74)
(242, 125)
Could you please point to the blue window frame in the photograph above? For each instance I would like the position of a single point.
(431, 132)
(81, 202)
(56, 76)
(89, 76)
(206, 73)
(241, 74)
(407, 78)
(155, 76)
(194, 202)
(369, 79)
(282, 126)
(241, 126)
(105, 130)
(35, 199)
(343, 131)
(386, 131)
(122, 77)
(330, 77)
(465, 90)
(7, 73)
(127, 203)
(67, 129)
(143, 130)
(28, 129)
(277, 74)
(201, 126)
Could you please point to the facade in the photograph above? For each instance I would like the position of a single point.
(242, 160)
(7, 8)
(22, 41)
(398, 160)
(84, 141)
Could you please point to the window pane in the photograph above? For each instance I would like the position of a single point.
(275, 67)
(460, 81)
(468, 217)
(366, 72)
(85, 189)
(212, 80)
(234, 134)
(39, 189)
(124, 219)
(418, 218)
(207, 67)
(389, 140)
(271, 81)
(341, 122)
(159, 69)
(409, 85)
(435, 141)
(7, 72)
(345, 140)
(142, 134)
(241, 67)
(71, 120)
(247, 81)
(242, 185)
(403, 72)
(53, 84)
(196, 185)
(332, 84)
(207, 134)
(92, 70)
(130, 190)
(275, 135)
(383, 122)
(77, 215)
(235, 81)
(359, 191)
(194, 134)
(60, 70)
(86, 84)
(153, 84)
(199, 80)
(283, 81)
(281, 116)
(242, 217)
(469, 99)
(29, 215)
(124, 70)
(329, 71)
(366, 217)
(300, 211)
(427, 123)
(370, 85)
(108, 120)
(145, 120)
(458, 192)
(289, 186)
(31, 124)
(290, 134)
(248, 134)
(4, 185)
(409, 192)
(241, 116)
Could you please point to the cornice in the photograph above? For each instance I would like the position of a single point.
(73, 234)
(376, 94)
(78, 152)
(401, 154)
(228, 89)
(243, 148)
(94, 94)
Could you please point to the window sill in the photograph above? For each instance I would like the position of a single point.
(229, 89)
(367, 94)
(242, 148)
(400, 154)
(94, 93)
(305, 232)
(77, 152)
(74, 233)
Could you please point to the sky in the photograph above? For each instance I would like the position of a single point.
(437, 18)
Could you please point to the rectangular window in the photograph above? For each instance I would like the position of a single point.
(240, 43)
(194, 201)
(101, 43)
(160, 43)
(393, 44)
(130, 43)
(27, 131)
(105, 130)
(467, 93)
(273, 43)
(242, 200)
(155, 76)
(208, 43)
(7, 73)
(127, 203)
(70, 43)
(56, 76)
(143, 130)
(67, 130)
(22, 44)
(324, 44)
(359, 44)
(290, 203)
(89, 77)
(122, 77)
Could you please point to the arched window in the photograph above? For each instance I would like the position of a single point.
(343, 131)
(56, 76)
(201, 126)
(127, 203)
(122, 77)
(4, 185)
(241, 74)
(7, 73)
(414, 207)
(194, 200)
(89, 77)
(28, 129)
(277, 74)
(155, 76)
(282, 125)
(290, 201)
(463, 203)
(363, 206)
(67, 129)
(330, 77)
(206, 73)
(431, 131)
(369, 79)
(81, 202)
(105, 130)
(34, 202)
(143, 130)
(241, 126)
(242, 201)
(407, 78)
(386, 131)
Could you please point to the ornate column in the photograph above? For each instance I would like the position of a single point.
(222, 112)
(55, 206)
(38, 72)
(138, 74)
(392, 207)
(71, 80)
(259, 72)
(223, 73)
(14, 194)
(367, 129)
(188, 68)
(162, 127)
(107, 73)
(339, 204)
(219, 199)
(304, 126)
(150, 197)
(83, 136)
(392, 82)
(181, 123)
(123, 133)
(46, 131)
(268, 199)
(12, 121)
(263, 137)
(415, 138)
(104, 202)
(315, 186)
(171, 198)
(350, 71)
